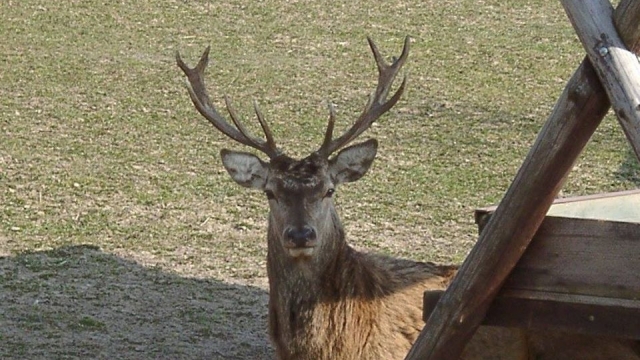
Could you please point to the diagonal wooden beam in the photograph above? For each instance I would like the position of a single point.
(573, 120)
(617, 67)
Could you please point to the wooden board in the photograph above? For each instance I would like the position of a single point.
(616, 206)
(541, 310)
(583, 256)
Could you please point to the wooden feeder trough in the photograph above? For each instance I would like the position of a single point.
(581, 271)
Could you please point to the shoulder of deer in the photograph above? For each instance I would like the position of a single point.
(405, 270)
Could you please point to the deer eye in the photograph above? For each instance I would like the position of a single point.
(270, 194)
(330, 192)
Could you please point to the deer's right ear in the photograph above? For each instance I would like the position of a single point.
(246, 169)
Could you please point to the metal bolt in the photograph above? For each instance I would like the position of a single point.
(603, 51)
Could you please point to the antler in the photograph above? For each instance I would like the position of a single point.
(200, 99)
(377, 104)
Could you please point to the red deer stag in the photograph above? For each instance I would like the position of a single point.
(328, 301)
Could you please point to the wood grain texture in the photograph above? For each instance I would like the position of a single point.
(582, 257)
(590, 315)
(628, 27)
(617, 67)
(539, 310)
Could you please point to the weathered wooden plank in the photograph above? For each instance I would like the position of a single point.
(617, 67)
(566, 312)
(574, 199)
(590, 315)
(459, 312)
(582, 257)
(614, 206)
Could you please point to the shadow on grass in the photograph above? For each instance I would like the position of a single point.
(629, 170)
(78, 302)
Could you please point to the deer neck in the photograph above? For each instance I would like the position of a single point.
(304, 297)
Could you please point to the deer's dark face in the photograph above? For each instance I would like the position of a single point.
(300, 192)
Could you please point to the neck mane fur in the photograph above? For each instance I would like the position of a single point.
(336, 271)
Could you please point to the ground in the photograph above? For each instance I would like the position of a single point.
(80, 302)
(121, 236)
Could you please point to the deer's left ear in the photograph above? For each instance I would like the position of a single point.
(352, 162)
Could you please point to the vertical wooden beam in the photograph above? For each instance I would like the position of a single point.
(617, 67)
(575, 117)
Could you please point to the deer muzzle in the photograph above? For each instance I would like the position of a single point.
(300, 241)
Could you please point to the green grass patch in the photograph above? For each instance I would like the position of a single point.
(100, 144)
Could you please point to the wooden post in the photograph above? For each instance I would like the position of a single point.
(628, 26)
(617, 67)
(575, 117)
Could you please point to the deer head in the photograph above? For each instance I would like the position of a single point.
(302, 216)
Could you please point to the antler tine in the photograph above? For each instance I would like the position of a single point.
(377, 104)
(200, 99)
(251, 141)
(265, 127)
(329, 133)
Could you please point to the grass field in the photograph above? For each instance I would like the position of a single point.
(121, 235)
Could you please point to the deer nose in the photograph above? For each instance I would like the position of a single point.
(301, 237)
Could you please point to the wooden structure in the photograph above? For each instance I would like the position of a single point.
(580, 273)
(609, 76)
